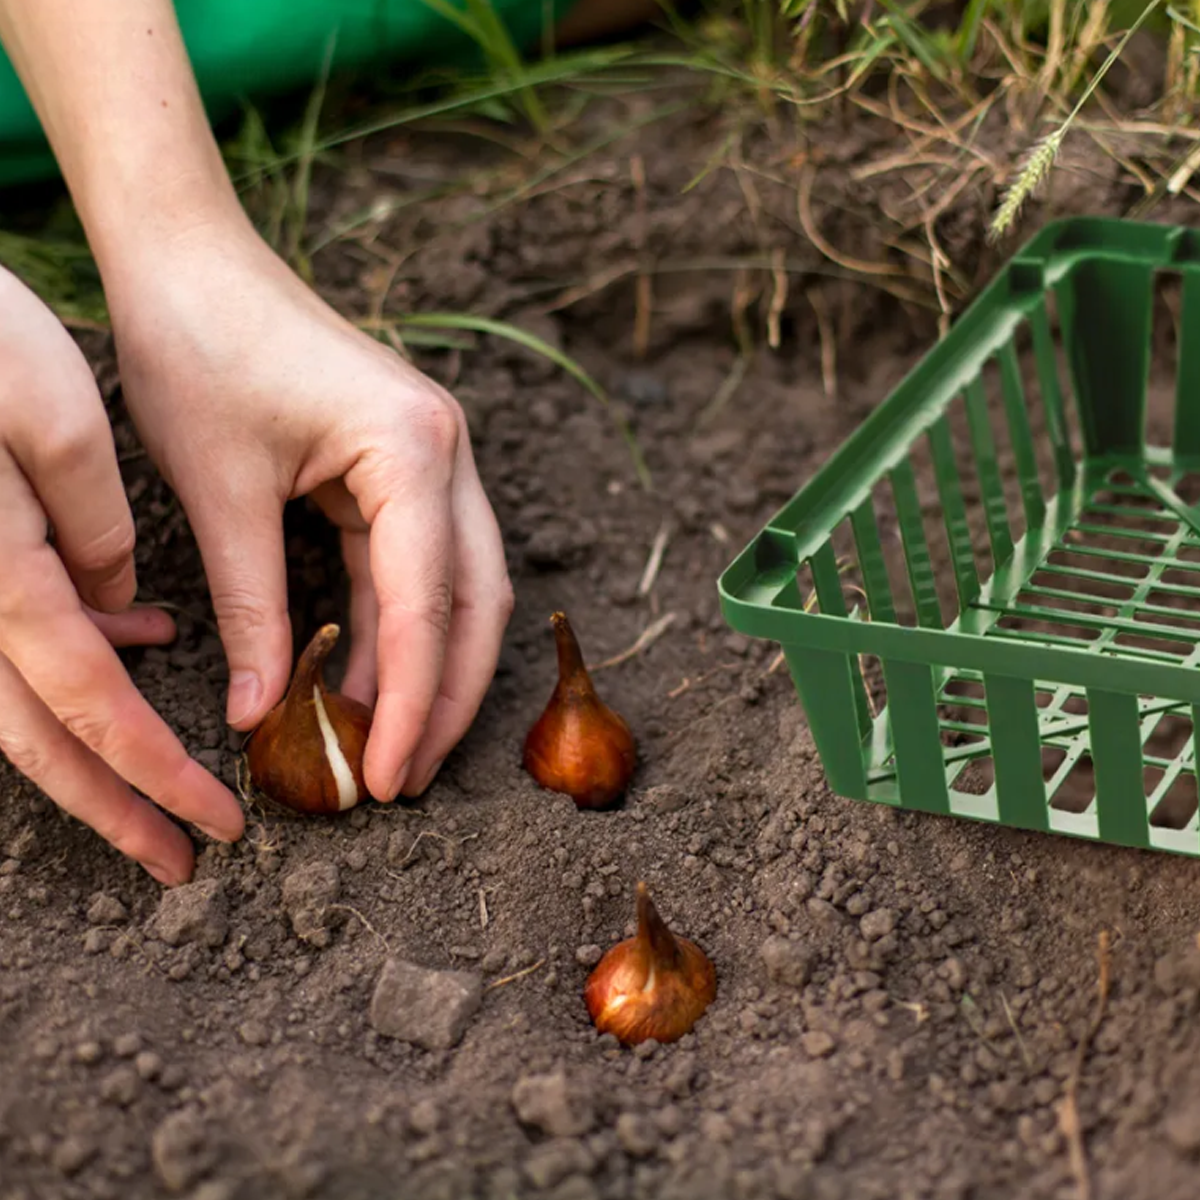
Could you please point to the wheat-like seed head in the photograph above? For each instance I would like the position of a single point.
(1037, 167)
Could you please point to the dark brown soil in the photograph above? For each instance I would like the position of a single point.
(900, 996)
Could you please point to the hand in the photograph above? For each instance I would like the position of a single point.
(248, 390)
(70, 717)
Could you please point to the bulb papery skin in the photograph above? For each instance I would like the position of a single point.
(307, 754)
(653, 985)
(579, 746)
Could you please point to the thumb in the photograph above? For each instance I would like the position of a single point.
(241, 544)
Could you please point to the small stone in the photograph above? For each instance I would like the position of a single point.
(120, 1087)
(425, 1117)
(551, 1104)
(254, 1033)
(575, 1187)
(638, 1138)
(181, 1151)
(73, 1153)
(308, 893)
(148, 1065)
(96, 941)
(193, 912)
(23, 845)
(106, 910)
(787, 962)
(716, 1127)
(427, 1008)
(817, 1043)
(877, 924)
(954, 972)
(89, 1053)
(357, 859)
(1182, 1127)
(588, 956)
(215, 1189)
(554, 1160)
(127, 1045)
(670, 1120)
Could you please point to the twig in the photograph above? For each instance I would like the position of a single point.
(1068, 1111)
(820, 306)
(938, 261)
(778, 297)
(808, 177)
(430, 833)
(483, 909)
(725, 393)
(643, 293)
(367, 924)
(646, 638)
(541, 962)
(654, 563)
(1012, 1024)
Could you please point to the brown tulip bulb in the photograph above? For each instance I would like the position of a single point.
(652, 985)
(578, 745)
(307, 753)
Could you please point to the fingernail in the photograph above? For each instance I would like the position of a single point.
(219, 835)
(163, 875)
(401, 775)
(245, 693)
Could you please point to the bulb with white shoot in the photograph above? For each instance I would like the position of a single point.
(307, 753)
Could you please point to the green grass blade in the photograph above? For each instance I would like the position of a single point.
(968, 31)
(514, 333)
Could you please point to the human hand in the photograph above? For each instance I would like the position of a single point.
(70, 717)
(249, 390)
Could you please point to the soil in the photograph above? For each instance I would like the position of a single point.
(900, 996)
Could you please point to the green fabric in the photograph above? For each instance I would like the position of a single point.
(249, 48)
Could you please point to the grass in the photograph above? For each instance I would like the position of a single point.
(773, 67)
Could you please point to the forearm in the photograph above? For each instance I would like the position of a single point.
(116, 95)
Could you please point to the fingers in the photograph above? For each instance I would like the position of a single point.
(362, 672)
(40, 747)
(140, 626)
(240, 535)
(56, 428)
(411, 549)
(483, 603)
(67, 662)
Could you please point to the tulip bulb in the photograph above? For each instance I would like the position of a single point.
(578, 745)
(652, 985)
(307, 753)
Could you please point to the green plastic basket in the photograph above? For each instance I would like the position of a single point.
(989, 598)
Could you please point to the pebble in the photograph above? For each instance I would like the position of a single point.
(787, 962)
(127, 1045)
(817, 1043)
(1182, 1128)
(96, 941)
(553, 1104)
(877, 924)
(73, 1153)
(89, 1052)
(254, 1033)
(424, 1007)
(193, 912)
(120, 1087)
(588, 956)
(554, 1160)
(638, 1138)
(425, 1117)
(180, 1150)
(105, 909)
(148, 1065)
